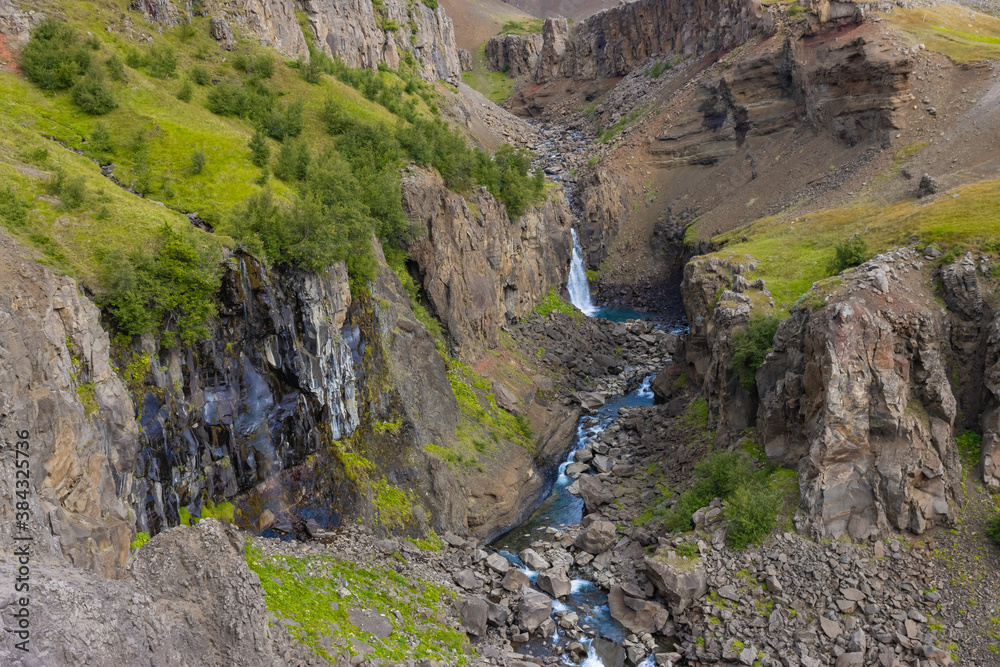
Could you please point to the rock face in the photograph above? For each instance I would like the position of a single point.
(612, 42)
(275, 379)
(188, 598)
(857, 399)
(679, 580)
(516, 55)
(56, 384)
(478, 268)
(638, 615)
(364, 35)
(851, 87)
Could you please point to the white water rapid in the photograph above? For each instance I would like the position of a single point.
(579, 290)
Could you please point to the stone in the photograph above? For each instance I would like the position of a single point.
(831, 628)
(370, 621)
(534, 608)
(467, 579)
(927, 186)
(608, 652)
(533, 561)
(729, 593)
(597, 537)
(638, 616)
(593, 492)
(264, 520)
(679, 580)
(222, 33)
(505, 398)
(515, 581)
(851, 660)
(473, 614)
(498, 563)
(555, 583)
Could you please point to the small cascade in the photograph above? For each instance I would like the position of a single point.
(579, 289)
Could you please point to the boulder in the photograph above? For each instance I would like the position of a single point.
(597, 538)
(532, 560)
(222, 33)
(555, 583)
(679, 580)
(534, 608)
(515, 581)
(473, 614)
(593, 492)
(498, 563)
(639, 616)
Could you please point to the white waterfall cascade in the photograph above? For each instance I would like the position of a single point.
(579, 290)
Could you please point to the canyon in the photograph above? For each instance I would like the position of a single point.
(544, 438)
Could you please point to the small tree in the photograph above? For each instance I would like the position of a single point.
(200, 75)
(260, 152)
(185, 92)
(93, 96)
(852, 252)
(197, 162)
(162, 61)
(750, 346)
(101, 141)
(116, 68)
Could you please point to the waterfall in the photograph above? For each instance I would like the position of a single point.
(579, 290)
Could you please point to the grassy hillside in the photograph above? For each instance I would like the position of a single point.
(296, 160)
(961, 34)
(796, 252)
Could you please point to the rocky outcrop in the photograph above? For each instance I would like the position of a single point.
(852, 87)
(60, 396)
(14, 25)
(856, 397)
(272, 21)
(516, 55)
(187, 598)
(612, 42)
(364, 35)
(274, 380)
(478, 269)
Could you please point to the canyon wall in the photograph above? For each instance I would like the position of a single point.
(612, 42)
(478, 268)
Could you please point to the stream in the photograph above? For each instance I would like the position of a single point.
(562, 509)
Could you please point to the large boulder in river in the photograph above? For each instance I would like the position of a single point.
(680, 580)
(593, 492)
(637, 615)
(535, 608)
(555, 583)
(597, 538)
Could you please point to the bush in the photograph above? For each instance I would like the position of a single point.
(717, 476)
(852, 252)
(13, 209)
(260, 152)
(135, 59)
(282, 122)
(185, 92)
(176, 278)
(993, 528)
(142, 177)
(197, 162)
(293, 160)
(91, 95)
(200, 75)
(54, 58)
(750, 346)
(116, 68)
(263, 66)
(162, 61)
(240, 62)
(970, 446)
(70, 190)
(752, 511)
(101, 142)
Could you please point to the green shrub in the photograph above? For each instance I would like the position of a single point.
(200, 75)
(293, 160)
(198, 160)
(752, 511)
(185, 92)
(140, 539)
(186, 31)
(93, 43)
(993, 528)
(93, 96)
(116, 68)
(263, 66)
(240, 62)
(659, 68)
(750, 346)
(162, 61)
(53, 58)
(13, 209)
(687, 550)
(717, 476)
(175, 277)
(135, 59)
(697, 413)
(852, 252)
(433, 4)
(553, 302)
(70, 190)
(142, 175)
(970, 445)
(260, 152)
(283, 121)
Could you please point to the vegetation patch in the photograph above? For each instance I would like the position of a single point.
(970, 446)
(551, 301)
(482, 422)
(522, 27)
(750, 346)
(497, 86)
(140, 539)
(317, 592)
(958, 32)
